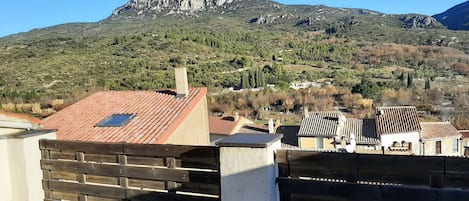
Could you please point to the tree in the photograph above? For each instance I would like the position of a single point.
(245, 81)
(427, 84)
(367, 88)
(410, 80)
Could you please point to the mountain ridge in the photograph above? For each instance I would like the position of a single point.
(455, 18)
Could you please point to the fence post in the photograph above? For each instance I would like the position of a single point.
(247, 167)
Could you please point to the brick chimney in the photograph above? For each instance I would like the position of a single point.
(182, 86)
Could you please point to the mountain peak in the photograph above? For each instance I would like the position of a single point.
(455, 18)
(153, 8)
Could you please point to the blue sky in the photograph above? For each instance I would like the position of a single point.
(24, 15)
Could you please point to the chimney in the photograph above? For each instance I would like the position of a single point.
(236, 116)
(305, 112)
(271, 126)
(182, 87)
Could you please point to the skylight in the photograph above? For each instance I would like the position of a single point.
(116, 120)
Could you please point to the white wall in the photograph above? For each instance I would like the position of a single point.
(249, 174)
(21, 175)
(414, 137)
(5, 179)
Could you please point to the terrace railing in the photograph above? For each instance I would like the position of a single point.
(121, 171)
(306, 175)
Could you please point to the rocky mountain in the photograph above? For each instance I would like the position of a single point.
(142, 9)
(455, 18)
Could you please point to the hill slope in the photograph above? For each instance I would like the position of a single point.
(455, 18)
(218, 43)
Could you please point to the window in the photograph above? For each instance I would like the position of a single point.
(455, 145)
(319, 143)
(438, 147)
(116, 120)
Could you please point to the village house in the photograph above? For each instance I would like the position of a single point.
(320, 130)
(441, 139)
(149, 117)
(364, 130)
(399, 129)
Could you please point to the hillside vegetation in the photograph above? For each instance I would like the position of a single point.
(347, 51)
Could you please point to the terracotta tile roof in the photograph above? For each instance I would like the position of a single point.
(432, 130)
(157, 115)
(320, 124)
(220, 126)
(390, 120)
(464, 133)
(364, 130)
(21, 117)
(254, 129)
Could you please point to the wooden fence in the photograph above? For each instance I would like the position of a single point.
(120, 171)
(306, 175)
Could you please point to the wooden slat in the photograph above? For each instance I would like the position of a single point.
(101, 158)
(152, 161)
(113, 170)
(140, 195)
(80, 146)
(102, 179)
(64, 196)
(61, 175)
(62, 155)
(149, 184)
(177, 151)
(351, 191)
(88, 189)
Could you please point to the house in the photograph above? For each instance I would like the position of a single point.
(399, 129)
(441, 139)
(465, 141)
(11, 123)
(364, 130)
(222, 127)
(320, 130)
(149, 117)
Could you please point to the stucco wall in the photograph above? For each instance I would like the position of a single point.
(9, 131)
(5, 178)
(21, 175)
(248, 174)
(310, 143)
(414, 137)
(194, 129)
(446, 147)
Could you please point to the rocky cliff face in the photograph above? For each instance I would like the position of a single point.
(419, 21)
(150, 8)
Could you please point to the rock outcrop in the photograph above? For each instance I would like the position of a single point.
(148, 8)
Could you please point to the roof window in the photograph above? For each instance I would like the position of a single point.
(116, 120)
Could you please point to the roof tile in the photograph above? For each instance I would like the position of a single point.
(157, 116)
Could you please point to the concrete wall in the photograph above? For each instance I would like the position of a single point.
(311, 142)
(414, 137)
(249, 173)
(194, 130)
(20, 171)
(446, 147)
(5, 177)
(9, 131)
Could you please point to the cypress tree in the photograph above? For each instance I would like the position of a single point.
(410, 81)
(245, 81)
(427, 84)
